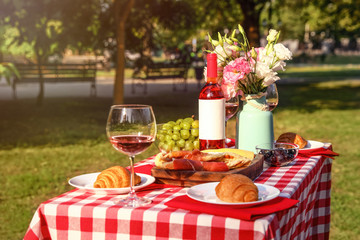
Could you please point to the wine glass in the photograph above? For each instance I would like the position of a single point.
(231, 107)
(272, 96)
(131, 129)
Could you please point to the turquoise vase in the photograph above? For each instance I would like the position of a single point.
(254, 125)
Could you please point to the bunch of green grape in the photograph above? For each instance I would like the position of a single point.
(180, 135)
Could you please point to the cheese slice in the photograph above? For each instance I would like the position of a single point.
(244, 153)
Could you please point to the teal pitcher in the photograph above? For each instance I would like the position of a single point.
(254, 124)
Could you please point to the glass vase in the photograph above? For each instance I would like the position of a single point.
(254, 124)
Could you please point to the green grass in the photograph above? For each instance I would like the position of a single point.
(42, 147)
(328, 59)
(342, 59)
(321, 72)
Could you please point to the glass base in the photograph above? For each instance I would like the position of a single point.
(133, 202)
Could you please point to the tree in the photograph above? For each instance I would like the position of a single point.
(122, 11)
(216, 16)
(8, 71)
(251, 24)
(153, 27)
(147, 26)
(322, 18)
(220, 16)
(335, 19)
(50, 27)
(36, 28)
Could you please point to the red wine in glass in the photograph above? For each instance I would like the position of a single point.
(131, 144)
(131, 129)
(272, 105)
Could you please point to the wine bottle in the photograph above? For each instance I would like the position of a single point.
(211, 109)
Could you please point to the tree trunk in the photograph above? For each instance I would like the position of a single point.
(122, 11)
(251, 25)
(40, 97)
(147, 39)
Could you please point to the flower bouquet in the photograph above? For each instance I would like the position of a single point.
(247, 72)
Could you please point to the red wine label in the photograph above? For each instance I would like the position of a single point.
(212, 119)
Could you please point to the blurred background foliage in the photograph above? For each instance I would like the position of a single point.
(42, 28)
(131, 32)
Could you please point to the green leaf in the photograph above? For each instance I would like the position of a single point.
(2, 69)
(13, 69)
(220, 39)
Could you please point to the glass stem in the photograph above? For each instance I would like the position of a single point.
(132, 177)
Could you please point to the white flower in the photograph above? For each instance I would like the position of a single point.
(266, 58)
(261, 53)
(270, 59)
(279, 65)
(223, 51)
(282, 52)
(262, 70)
(272, 35)
(270, 79)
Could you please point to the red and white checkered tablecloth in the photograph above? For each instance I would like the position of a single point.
(80, 215)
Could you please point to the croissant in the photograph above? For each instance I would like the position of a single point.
(290, 137)
(237, 188)
(115, 177)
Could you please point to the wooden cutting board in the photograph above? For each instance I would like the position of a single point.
(187, 178)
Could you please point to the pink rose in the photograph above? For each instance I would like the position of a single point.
(230, 76)
(236, 70)
(242, 65)
(229, 90)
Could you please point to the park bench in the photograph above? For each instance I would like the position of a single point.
(54, 73)
(156, 71)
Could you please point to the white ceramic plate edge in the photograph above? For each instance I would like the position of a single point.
(86, 181)
(195, 193)
(311, 144)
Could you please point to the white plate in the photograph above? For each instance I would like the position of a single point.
(311, 144)
(86, 182)
(206, 193)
